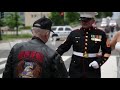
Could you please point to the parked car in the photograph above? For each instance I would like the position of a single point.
(112, 23)
(104, 22)
(61, 32)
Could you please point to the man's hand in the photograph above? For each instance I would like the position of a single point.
(94, 64)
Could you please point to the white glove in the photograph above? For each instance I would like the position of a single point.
(94, 64)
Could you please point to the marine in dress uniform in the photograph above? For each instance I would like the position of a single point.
(91, 48)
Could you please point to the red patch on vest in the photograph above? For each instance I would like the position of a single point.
(32, 55)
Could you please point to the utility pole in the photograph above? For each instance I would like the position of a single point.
(1, 16)
(63, 16)
(16, 19)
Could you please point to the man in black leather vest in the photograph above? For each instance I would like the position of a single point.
(34, 59)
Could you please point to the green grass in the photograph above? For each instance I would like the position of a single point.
(26, 28)
(13, 37)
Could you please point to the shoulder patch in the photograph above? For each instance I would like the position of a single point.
(100, 30)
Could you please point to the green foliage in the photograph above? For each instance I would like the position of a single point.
(104, 14)
(74, 24)
(108, 14)
(12, 20)
(14, 37)
(56, 18)
(2, 23)
(69, 17)
(26, 27)
(72, 17)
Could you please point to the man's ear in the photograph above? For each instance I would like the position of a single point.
(46, 34)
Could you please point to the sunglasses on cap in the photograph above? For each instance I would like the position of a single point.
(85, 19)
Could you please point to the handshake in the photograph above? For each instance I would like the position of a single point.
(94, 64)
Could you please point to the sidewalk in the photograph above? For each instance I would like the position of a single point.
(109, 69)
(8, 45)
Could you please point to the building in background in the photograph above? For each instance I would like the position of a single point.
(30, 17)
(27, 18)
(116, 17)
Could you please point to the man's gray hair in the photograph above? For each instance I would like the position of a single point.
(38, 31)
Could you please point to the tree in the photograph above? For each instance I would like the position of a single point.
(104, 14)
(72, 17)
(108, 14)
(61, 18)
(2, 22)
(56, 18)
(12, 19)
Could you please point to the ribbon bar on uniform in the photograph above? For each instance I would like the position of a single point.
(82, 54)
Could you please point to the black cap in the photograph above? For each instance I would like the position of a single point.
(43, 23)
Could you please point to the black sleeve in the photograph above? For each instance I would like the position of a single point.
(8, 71)
(66, 45)
(105, 48)
(58, 68)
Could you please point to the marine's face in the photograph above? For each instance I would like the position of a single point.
(87, 22)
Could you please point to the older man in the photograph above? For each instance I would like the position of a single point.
(34, 59)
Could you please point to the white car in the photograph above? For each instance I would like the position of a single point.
(61, 32)
(112, 23)
(103, 24)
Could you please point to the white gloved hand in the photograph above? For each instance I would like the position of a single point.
(94, 64)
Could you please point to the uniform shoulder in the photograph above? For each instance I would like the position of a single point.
(100, 30)
(75, 30)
